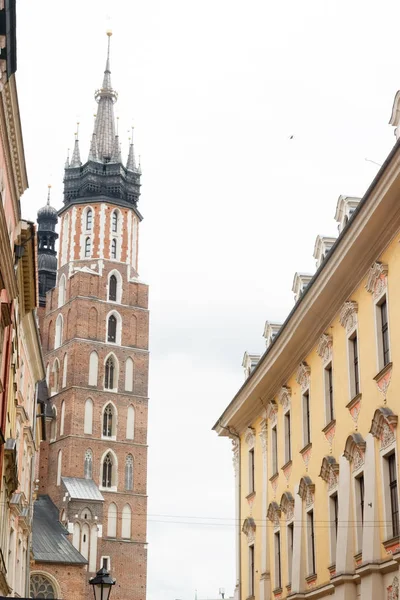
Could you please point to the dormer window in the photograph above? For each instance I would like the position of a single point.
(346, 205)
(322, 246)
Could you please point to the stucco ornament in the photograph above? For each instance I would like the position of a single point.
(249, 529)
(383, 426)
(329, 472)
(235, 457)
(287, 505)
(348, 315)
(384, 382)
(377, 279)
(325, 347)
(307, 490)
(303, 376)
(284, 396)
(274, 513)
(271, 412)
(263, 436)
(393, 590)
(354, 450)
(250, 437)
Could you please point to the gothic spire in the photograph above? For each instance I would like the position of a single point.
(131, 162)
(93, 154)
(104, 126)
(76, 157)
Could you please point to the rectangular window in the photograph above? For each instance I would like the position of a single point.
(251, 570)
(311, 542)
(385, 359)
(360, 481)
(274, 451)
(334, 514)
(359, 502)
(290, 532)
(288, 438)
(251, 471)
(355, 376)
(278, 571)
(394, 505)
(329, 393)
(306, 418)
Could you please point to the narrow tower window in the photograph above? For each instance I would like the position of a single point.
(129, 472)
(114, 222)
(109, 378)
(89, 219)
(114, 248)
(107, 470)
(112, 294)
(88, 247)
(108, 421)
(112, 329)
(88, 467)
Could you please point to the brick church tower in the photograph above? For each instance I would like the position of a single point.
(93, 467)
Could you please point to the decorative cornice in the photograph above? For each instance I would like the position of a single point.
(271, 411)
(274, 513)
(249, 529)
(383, 425)
(303, 376)
(250, 437)
(348, 315)
(377, 279)
(306, 490)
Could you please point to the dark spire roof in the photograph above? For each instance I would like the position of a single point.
(104, 126)
(47, 212)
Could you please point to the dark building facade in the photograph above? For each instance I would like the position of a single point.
(93, 468)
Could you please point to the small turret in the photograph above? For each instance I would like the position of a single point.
(47, 219)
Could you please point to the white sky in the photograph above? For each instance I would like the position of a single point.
(232, 207)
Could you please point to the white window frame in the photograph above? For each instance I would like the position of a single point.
(309, 546)
(350, 361)
(277, 558)
(287, 425)
(387, 506)
(332, 529)
(305, 393)
(378, 329)
(251, 466)
(289, 548)
(252, 570)
(328, 417)
(274, 449)
(357, 506)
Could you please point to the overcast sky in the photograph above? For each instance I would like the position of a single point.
(232, 205)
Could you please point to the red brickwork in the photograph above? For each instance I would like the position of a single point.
(85, 312)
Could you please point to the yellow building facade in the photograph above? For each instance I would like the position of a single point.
(314, 427)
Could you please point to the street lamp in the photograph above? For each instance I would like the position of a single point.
(102, 583)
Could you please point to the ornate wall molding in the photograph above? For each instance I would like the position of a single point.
(393, 590)
(287, 505)
(264, 436)
(307, 490)
(354, 450)
(250, 437)
(249, 529)
(236, 455)
(324, 349)
(348, 315)
(330, 472)
(271, 412)
(383, 426)
(303, 376)
(274, 513)
(377, 279)
(284, 397)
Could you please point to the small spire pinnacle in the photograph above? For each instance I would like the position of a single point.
(48, 195)
(76, 157)
(67, 161)
(131, 163)
(116, 154)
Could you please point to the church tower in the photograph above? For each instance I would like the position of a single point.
(94, 466)
(47, 257)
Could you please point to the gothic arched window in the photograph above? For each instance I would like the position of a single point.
(88, 466)
(129, 472)
(59, 332)
(107, 470)
(89, 219)
(112, 329)
(108, 421)
(42, 587)
(112, 293)
(110, 374)
(114, 222)
(114, 248)
(88, 247)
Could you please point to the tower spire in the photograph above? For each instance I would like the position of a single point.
(76, 157)
(104, 126)
(48, 195)
(131, 162)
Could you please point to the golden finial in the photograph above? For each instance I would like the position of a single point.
(109, 32)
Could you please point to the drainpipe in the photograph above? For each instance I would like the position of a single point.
(238, 507)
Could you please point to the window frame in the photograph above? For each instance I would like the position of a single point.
(382, 331)
(306, 414)
(311, 554)
(274, 449)
(287, 425)
(359, 499)
(277, 558)
(353, 343)
(87, 251)
(289, 547)
(251, 571)
(328, 392)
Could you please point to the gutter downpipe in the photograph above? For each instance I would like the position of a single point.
(238, 495)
